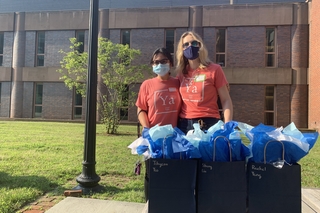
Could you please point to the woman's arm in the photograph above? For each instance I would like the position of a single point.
(226, 103)
(143, 118)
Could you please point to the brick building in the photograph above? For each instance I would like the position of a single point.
(314, 66)
(263, 47)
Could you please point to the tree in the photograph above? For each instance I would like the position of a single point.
(118, 73)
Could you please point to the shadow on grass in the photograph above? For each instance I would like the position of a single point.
(36, 182)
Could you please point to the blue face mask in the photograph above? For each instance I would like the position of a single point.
(161, 69)
(191, 52)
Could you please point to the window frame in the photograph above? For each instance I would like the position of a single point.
(35, 104)
(121, 37)
(221, 53)
(166, 37)
(269, 111)
(0, 92)
(123, 107)
(266, 49)
(37, 48)
(1, 48)
(81, 48)
(76, 106)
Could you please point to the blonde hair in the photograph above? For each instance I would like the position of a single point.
(182, 61)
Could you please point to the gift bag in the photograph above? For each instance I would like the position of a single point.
(274, 187)
(172, 183)
(221, 186)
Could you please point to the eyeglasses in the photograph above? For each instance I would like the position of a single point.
(192, 43)
(162, 61)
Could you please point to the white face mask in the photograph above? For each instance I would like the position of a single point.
(161, 69)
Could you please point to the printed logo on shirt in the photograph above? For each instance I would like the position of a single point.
(192, 88)
(165, 101)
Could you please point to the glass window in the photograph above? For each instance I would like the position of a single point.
(270, 47)
(38, 100)
(123, 111)
(40, 48)
(221, 47)
(125, 37)
(1, 48)
(80, 38)
(0, 93)
(77, 105)
(269, 107)
(170, 40)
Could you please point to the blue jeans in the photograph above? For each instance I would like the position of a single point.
(185, 124)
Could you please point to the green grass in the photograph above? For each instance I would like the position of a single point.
(38, 158)
(41, 157)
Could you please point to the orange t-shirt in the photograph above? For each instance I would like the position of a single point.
(161, 99)
(199, 92)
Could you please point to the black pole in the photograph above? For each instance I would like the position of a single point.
(88, 179)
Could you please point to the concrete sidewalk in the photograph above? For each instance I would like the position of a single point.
(310, 204)
(85, 205)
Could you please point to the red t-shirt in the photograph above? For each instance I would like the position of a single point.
(161, 99)
(199, 92)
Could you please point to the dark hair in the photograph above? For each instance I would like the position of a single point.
(164, 52)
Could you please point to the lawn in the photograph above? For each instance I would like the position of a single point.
(41, 157)
(46, 157)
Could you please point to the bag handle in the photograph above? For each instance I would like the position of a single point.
(265, 149)
(214, 148)
(163, 142)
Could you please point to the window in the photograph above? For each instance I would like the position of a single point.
(125, 37)
(38, 100)
(170, 40)
(270, 47)
(40, 49)
(221, 47)
(123, 111)
(269, 111)
(80, 38)
(77, 105)
(1, 48)
(0, 93)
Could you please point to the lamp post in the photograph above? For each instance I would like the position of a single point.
(88, 179)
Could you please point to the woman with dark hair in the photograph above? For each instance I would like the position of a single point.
(201, 83)
(159, 100)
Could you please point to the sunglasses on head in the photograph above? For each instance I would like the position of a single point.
(192, 43)
(162, 61)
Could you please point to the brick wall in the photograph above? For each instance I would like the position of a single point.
(28, 93)
(300, 46)
(299, 105)
(5, 99)
(47, 5)
(30, 49)
(7, 49)
(147, 40)
(209, 38)
(283, 102)
(314, 69)
(245, 46)
(57, 101)
(284, 46)
(54, 42)
(248, 103)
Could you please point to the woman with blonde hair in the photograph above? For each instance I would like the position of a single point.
(201, 83)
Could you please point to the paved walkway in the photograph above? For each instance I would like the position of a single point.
(310, 204)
